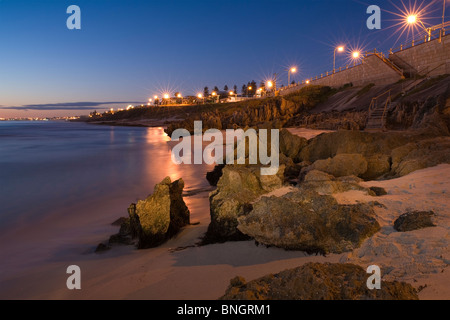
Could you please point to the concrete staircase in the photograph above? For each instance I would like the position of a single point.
(408, 70)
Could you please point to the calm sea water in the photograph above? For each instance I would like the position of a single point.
(62, 184)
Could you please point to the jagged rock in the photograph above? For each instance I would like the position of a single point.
(304, 220)
(342, 165)
(377, 191)
(160, 216)
(214, 176)
(414, 220)
(317, 281)
(236, 189)
(421, 154)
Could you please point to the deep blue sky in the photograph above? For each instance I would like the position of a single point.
(129, 50)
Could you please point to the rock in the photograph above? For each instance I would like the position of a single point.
(236, 189)
(160, 216)
(414, 220)
(324, 183)
(378, 165)
(318, 281)
(419, 155)
(304, 220)
(102, 248)
(377, 191)
(342, 165)
(214, 176)
(367, 144)
(291, 145)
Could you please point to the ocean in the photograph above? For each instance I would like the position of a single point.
(63, 184)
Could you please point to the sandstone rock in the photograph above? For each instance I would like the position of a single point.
(160, 216)
(367, 144)
(304, 220)
(414, 220)
(236, 189)
(421, 154)
(316, 281)
(324, 183)
(378, 165)
(342, 165)
(291, 145)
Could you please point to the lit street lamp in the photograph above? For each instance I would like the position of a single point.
(355, 56)
(414, 19)
(293, 70)
(338, 49)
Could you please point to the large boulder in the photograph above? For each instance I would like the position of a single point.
(367, 144)
(305, 220)
(160, 216)
(237, 188)
(318, 281)
(342, 165)
(419, 155)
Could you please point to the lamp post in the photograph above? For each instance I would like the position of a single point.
(249, 88)
(293, 70)
(338, 49)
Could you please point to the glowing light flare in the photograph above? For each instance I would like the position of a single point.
(214, 94)
(179, 95)
(199, 96)
(411, 19)
(166, 96)
(293, 70)
(269, 84)
(340, 49)
(356, 54)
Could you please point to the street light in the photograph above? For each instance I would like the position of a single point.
(355, 56)
(412, 19)
(293, 70)
(166, 96)
(179, 95)
(307, 81)
(269, 84)
(338, 49)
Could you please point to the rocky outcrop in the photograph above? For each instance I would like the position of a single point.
(316, 281)
(414, 220)
(236, 189)
(160, 216)
(421, 154)
(378, 192)
(305, 220)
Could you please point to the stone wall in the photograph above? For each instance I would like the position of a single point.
(429, 58)
(372, 70)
